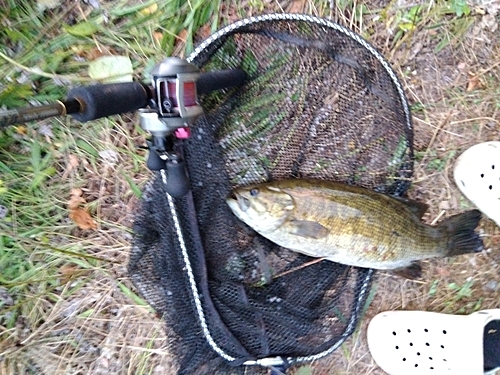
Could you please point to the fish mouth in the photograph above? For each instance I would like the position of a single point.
(243, 203)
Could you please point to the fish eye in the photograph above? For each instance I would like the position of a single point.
(254, 192)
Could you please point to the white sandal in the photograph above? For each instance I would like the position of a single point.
(477, 174)
(419, 342)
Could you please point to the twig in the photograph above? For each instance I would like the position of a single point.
(443, 130)
(438, 217)
(434, 136)
(40, 72)
(299, 267)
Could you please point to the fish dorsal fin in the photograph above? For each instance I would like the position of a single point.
(308, 229)
(418, 208)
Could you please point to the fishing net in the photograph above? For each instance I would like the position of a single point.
(320, 102)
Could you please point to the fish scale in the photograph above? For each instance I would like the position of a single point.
(351, 225)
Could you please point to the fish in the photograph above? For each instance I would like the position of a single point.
(352, 225)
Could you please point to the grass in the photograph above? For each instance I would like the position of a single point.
(66, 304)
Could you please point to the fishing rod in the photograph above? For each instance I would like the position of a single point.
(166, 108)
(175, 85)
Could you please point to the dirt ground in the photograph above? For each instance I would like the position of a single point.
(455, 96)
(444, 83)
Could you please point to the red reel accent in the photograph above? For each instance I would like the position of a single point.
(190, 98)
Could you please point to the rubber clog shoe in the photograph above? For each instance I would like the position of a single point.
(422, 343)
(477, 175)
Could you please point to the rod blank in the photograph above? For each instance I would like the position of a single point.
(87, 103)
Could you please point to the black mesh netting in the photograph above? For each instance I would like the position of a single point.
(319, 103)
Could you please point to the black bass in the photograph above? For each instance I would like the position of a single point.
(352, 225)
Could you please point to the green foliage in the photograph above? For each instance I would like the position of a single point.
(434, 161)
(464, 295)
(84, 28)
(49, 52)
(459, 7)
(304, 370)
(433, 288)
(42, 55)
(15, 95)
(461, 291)
(451, 18)
(410, 19)
(460, 297)
(438, 163)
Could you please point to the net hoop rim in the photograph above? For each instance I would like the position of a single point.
(238, 25)
(366, 281)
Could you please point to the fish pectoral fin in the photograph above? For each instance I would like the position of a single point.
(412, 272)
(418, 208)
(308, 229)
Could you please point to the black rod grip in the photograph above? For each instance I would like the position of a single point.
(220, 79)
(110, 99)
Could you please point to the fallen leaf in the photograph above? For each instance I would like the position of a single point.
(444, 205)
(76, 191)
(75, 202)
(442, 272)
(473, 82)
(158, 36)
(68, 272)
(490, 7)
(109, 156)
(205, 31)
(82, 218)
(104, 362)
(180, 42)
(72, 163)
(95, 52)
(76, 199)
(495, 239)
(489, 21)
(73, 160)
(111, 69)
(182, 35)
(479, 11)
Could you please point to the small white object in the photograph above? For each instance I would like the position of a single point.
(477, 175)
(422, 343)
(109, 156)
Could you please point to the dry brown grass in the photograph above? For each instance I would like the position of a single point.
(96, 325)
(455, 116)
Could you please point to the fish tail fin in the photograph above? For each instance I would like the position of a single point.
(460, 231)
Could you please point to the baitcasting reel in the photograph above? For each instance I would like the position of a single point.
(172, 108)
(166, 108)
